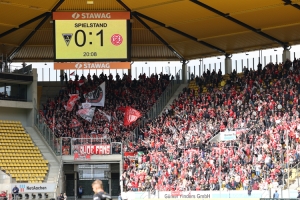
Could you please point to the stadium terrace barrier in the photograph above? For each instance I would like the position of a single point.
(53, 142)
(83, 148)
(73, 146)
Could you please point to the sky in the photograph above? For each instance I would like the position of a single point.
(47, 73)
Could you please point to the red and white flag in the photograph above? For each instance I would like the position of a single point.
(80, 82)
(71, 102)
(104, 114)
(131, 115)
(87, 113)
(97, 96)
(72, 74)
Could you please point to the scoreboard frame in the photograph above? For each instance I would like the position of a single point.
(97, 17)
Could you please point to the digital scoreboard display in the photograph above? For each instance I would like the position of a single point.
(91, 36)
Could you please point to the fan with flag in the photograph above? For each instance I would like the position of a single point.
(131, 115)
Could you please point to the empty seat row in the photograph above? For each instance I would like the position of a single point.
(24, 159)
(9, 122)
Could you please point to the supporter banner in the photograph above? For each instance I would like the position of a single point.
(101, 149)
(97, 96)
(131, 115)
(130, 153)
(91, 65)
(34, 187)
(71, 102)
(87, 114)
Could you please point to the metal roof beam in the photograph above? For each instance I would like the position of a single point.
(289, 2)
(28, 37)
(123, 5)
(24, 24)
(179, 32)
(48, 14)
(227, 16)
(159, 38)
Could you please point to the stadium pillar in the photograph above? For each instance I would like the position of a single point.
(62, 72)
(129, 70)
(228, 64)
(184, 71)
(286, 54)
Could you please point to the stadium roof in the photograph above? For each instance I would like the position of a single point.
(161, 29)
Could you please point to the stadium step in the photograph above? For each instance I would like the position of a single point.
(175, 96)
(47, 154)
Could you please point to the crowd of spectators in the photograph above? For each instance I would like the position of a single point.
(176, 151)
(140, 94)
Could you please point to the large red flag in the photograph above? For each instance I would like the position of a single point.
(71, 102)
(131, 115)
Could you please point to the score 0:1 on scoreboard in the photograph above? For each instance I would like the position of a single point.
(91, 36)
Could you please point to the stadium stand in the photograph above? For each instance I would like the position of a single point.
(20, 158)
(119, 92)
(176, 151)
(262, 106)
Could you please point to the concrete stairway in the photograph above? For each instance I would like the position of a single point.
(49, 89)
(178, 91)
(47, 153)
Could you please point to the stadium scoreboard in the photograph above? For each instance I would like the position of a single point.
(91, 36)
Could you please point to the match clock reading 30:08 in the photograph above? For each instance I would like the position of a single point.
(90, 39)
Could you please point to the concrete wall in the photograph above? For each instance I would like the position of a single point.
(16, 114)
(19, 110)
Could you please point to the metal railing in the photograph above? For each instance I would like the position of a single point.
(17, 69)
(58, 177)
(47, 133)
(159, 105)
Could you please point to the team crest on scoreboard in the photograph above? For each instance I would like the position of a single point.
(67, 37)
(116, 39)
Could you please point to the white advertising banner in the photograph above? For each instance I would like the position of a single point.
(228, 135)
(34, 187)
(185, 194)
